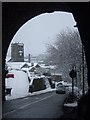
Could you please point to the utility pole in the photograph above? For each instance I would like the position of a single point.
(29, 60)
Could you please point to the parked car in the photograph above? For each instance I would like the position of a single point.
(60, 89)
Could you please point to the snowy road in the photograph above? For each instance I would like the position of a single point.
(47, 105)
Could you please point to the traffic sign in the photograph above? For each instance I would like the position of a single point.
(72, 74)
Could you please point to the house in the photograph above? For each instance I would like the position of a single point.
(32, 67)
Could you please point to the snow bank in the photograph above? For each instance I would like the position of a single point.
(74, 104)
(20, 85)
(77, 91)
(42, 91)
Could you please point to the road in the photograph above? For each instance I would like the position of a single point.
(47, 105)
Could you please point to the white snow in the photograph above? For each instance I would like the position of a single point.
(77, 91)
(15, 65)
(20, 84)
(48, 67)
(41, 91)
(19, 65)
(74, 104)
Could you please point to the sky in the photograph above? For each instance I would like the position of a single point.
(42, 30)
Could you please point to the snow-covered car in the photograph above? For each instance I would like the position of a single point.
(60, 89)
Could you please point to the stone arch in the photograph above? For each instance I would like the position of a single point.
(14, 15)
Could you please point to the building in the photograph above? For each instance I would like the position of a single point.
(17, 52)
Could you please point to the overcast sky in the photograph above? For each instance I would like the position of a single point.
(42, 29)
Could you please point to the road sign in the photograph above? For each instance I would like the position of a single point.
(72, 74)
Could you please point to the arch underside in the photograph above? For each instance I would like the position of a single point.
(14, 15)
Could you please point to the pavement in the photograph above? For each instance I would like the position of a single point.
(70, 108)
(70, 113)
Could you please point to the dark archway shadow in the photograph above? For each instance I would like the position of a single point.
(14, 15)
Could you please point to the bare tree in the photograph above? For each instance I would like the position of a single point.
(66, 51)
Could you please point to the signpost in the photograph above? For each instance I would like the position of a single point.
(72, 74)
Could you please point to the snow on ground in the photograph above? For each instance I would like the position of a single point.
(19, 84)
(77, 91)
(74, 104)
(42, 91)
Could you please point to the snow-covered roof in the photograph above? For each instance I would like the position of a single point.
(15, 65)
(19, 65)
(56, 74)
(31, 64)
(48, 67)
